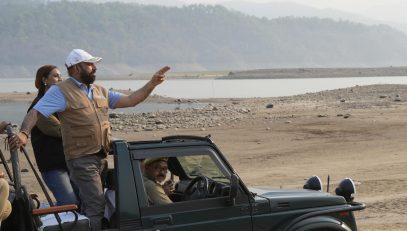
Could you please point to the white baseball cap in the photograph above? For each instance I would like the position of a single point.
(78, 56)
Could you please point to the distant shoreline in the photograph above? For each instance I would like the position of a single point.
(277, 73)
(271, 73)
(286, 73)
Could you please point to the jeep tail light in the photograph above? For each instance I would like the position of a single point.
(343, 214)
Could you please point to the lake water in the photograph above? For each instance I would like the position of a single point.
(201, 88)
(15, 112)
(212, 88)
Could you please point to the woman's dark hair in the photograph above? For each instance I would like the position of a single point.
(42, 72)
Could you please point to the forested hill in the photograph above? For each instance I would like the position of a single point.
(190, 38)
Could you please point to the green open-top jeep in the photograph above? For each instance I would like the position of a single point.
(210, 196)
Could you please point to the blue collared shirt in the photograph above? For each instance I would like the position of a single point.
(54, 100)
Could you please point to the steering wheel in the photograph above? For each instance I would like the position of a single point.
(200, 191)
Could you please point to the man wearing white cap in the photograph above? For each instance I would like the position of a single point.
(82, 108)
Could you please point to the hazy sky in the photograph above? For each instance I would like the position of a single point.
(387, 10)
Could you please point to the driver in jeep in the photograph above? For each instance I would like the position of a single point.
(155, 172)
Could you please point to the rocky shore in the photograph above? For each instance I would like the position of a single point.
(229, 112)
(212, 115)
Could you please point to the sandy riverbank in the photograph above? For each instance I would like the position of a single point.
(356, 132)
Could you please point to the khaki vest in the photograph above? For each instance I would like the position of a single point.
(84, 123)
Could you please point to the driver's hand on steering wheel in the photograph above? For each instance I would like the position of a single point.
(169, 187)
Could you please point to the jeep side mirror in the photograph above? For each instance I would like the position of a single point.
(234, 185)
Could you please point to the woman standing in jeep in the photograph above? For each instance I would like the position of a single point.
(47, 143)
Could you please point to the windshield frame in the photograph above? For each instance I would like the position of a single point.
(169, 152)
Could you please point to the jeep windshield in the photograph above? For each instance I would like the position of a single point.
(201, 165)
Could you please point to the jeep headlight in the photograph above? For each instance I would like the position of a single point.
(346, 189)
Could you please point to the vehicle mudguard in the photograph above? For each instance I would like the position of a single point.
(320, 223)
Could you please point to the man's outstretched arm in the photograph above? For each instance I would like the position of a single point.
(21, 138)
(141, 94)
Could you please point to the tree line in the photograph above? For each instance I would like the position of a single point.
(195, 37)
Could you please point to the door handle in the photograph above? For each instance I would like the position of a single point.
(162, 220)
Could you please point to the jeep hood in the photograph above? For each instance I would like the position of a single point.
(276, 192)
(296, 198)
